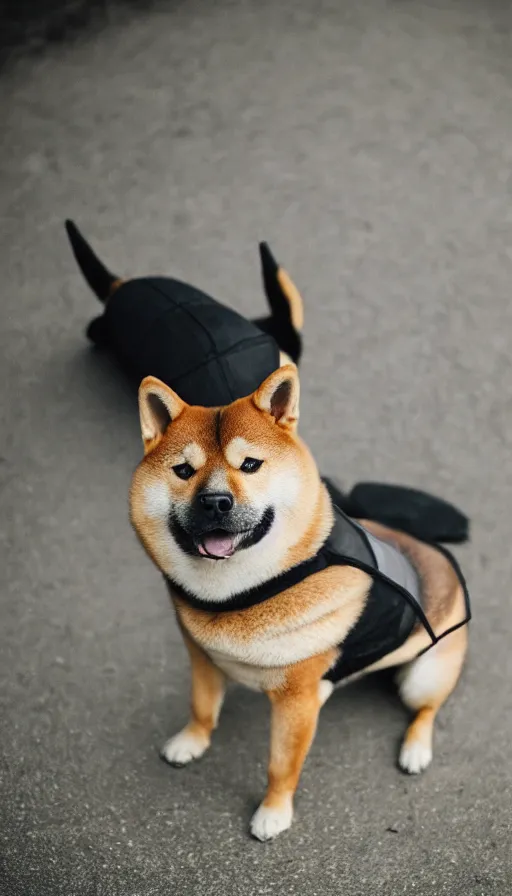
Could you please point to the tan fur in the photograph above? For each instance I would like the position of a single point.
(284, 359)
(208, 686)
(207, 695)
(285, 645)
(294, 299)
(295, 708)
(115, 286)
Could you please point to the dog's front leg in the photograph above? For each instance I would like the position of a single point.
(208, 688)
(294, 719)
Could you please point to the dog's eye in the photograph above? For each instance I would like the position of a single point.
(184, 471)
(250, 465)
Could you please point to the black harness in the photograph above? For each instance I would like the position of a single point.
(169, 329)
(206, 352)
(391, 612)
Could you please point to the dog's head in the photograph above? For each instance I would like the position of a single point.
(224, 496)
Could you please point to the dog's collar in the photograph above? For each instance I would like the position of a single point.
(327, 555)
(245, 599)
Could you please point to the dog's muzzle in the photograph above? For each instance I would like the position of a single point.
(215, 528)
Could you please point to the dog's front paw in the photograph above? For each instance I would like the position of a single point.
(184, 747)
(415, 756)
(267, 822)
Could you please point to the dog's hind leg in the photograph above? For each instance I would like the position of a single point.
(208, 688)
(424, 685)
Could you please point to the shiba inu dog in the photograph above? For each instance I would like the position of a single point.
(276, 589)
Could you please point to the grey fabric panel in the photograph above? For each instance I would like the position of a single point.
(349, 539)
(396, 566)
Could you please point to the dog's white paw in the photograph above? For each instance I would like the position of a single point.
(415, 756)
(184, 747)
(268, 822)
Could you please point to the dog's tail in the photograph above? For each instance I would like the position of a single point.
(96, 274)
(419, 514)
(287, 312)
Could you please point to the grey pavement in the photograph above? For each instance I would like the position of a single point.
(371, 143)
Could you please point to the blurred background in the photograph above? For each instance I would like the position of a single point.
(370, 143)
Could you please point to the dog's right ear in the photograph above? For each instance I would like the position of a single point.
(278, 396)
(158, 407)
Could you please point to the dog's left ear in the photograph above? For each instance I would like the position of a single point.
(158, 407)
(278, 396)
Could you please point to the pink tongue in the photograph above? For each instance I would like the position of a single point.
(218, 545)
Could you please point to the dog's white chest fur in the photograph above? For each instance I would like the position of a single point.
(257, 678)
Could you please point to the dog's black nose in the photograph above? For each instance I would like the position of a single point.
(216, 503)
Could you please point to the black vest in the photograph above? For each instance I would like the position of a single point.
(207, 353)
(393, 607)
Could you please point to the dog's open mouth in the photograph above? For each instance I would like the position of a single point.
(217, 544)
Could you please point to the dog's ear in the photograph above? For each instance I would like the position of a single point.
(158, 406)
(278, 396)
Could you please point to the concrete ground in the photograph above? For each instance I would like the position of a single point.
(371, 144)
